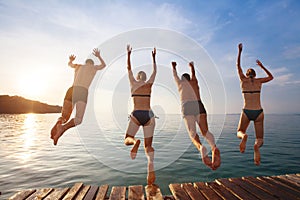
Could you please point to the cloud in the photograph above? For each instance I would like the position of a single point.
(292, 52)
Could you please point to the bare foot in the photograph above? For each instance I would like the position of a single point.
(134, 149)
(256, 155)
(53, 130)
(205, 159)
(216, 158)
(59, 132)
(151, 178)
(243, 143)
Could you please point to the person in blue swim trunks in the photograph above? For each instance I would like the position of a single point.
(142, 114)
(252, 111)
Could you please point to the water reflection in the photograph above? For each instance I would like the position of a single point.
(27, 137)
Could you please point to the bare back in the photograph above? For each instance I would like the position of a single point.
(251, 89)
(141, 94)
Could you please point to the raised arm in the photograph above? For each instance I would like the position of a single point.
(177, 80)
(130, 74)
(238, 62)
(153, 75)
(71, 64)
(191, 64)
(269, 77)
(96, 53)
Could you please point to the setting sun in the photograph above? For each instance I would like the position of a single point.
(32, 85)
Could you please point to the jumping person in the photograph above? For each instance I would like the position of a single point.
(194, 112)
(76, 95)
(142, 114)
(252, 110)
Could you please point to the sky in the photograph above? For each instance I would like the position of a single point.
(37, 37)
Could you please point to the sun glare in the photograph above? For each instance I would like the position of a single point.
(32, 86)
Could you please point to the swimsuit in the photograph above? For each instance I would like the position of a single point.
(143, 116)
(251, 92)
(76, 93)
(193, 108)
(140, 95)
(252, 114)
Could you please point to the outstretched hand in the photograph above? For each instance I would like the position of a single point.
(154, 52)
(191, 64)
(259, 63)
(72, 57)
(129, 49)
(96, 52)
(240, 46)
(174, 65)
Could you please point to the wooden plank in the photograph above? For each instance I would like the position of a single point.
(57, 194)
(178, 192)
(73, 191)
(284, 188)
(118, 193)
(91, 194)
(136, 192)
(153, 192)
(22, 194)
(266, 187)
(193, 193)
(82, 192)
(40, 194)
(235, 189)
(286, 181)
(256, 191)
(222, 192)
(102, 192)
(295, 178)
(207, 191)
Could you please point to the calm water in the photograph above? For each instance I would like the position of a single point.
(95, 154)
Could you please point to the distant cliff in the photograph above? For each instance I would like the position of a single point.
(20, 105)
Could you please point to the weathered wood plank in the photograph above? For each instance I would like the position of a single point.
(221, 191)
(57, 194)
(91, 194)
(295, 178)
(136, 192)
(178, 192)
(102, 192)
(82, 192)
(118, 193)
(207, 191)
(235, 189)
(288, 182)
(193, 193)
(153, 192)
(40, 194)
(266, 187)
(73, 191)
(256, 191)
(284, 188)
(22, 194)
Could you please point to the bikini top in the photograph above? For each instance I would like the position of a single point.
(140, 95)
(256, 91)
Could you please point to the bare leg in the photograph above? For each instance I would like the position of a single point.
(241, 133)
(132, 129)
(190, 123)
(216, 156)
(148, 138)
(65, 116)
(80, 110)
(259, 131)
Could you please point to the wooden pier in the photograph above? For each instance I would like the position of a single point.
(265, 187)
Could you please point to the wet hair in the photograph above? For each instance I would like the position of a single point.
(186, 77)
(250, 73)
(89, 61)
(141, 76)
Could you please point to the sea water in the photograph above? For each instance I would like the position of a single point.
(95, 153)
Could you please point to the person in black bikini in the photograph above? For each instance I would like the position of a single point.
(142, 114)
(252, 110)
